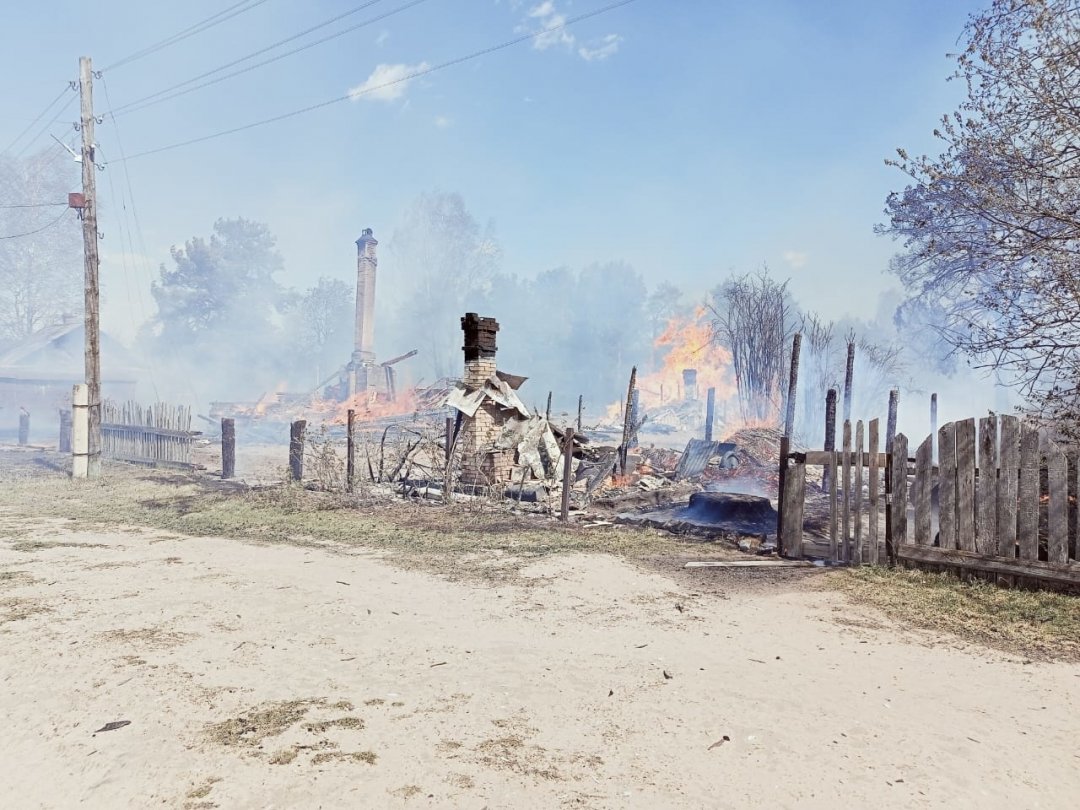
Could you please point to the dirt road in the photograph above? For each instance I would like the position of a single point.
(273, 676)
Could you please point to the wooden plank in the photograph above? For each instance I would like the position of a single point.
(833, 549)
(857, 557)
(794, 498)
(1068, 573)
(924, 462)
(1076, 512)
(1057, 543)
(765, 562)
(1008, 483)
(965, 484)
(986, 488)
(947, 486)
(1028, 494)
(845, 546)
(899, 491)
(874, 516)
(821, 458)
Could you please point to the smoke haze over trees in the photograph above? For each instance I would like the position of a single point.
(41, 273)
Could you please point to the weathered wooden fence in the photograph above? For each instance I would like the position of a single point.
(996, 501)
(854, 495)
(158, 434)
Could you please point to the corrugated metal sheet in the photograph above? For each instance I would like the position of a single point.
(695, 458)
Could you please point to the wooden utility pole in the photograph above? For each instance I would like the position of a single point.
(228, 448)
(90, 266)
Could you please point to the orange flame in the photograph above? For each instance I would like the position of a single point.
(686, 343)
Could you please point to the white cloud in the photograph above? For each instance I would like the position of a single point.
(442, 122)
(606, 47)
(795, 259)
(382, 37)
(387, 82)
(548, 17)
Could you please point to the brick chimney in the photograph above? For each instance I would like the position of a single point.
(366, 264)
(481, 463)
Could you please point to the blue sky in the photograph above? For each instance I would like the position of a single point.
(690, 139)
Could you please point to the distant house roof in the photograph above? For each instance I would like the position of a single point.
(55, 354)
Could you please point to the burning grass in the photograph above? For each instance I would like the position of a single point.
(1036, 624)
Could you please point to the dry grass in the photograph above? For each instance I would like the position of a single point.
(14, 610)
(1036, 624)
(368, 757)
(146, 637)
(250, 729)
(320, 727)
(431, 536)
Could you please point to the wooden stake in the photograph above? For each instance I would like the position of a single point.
(580, 408)
(24, 428)
(547, 410)
(92, 356)
(64, 445)
(789, 421)
(568, 456)
(710, 413)
(296, 449)
(228, 448)
(890, 434)
(627, 416)
(350, 450)
(830, 433)
(933, 428)
(849, 374)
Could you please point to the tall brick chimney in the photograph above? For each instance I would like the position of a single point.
(366, 264)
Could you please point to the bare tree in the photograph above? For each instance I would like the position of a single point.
(753, 319)
(41, 252)
(991, 227)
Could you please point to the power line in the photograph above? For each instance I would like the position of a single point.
(197, 28)
(38, 230)
(31, 205)
(415, 74)
(63, 109)
(141, 103)
(40, 115)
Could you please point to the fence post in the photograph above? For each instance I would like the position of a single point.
(350, 450)
(781, 544)
(890, 434)
(849, 377)
(710, 413)
(568, 456)
(933, 429)
(580, 406)
(80, 431)
(830, 434)
(24, 427)
(296, 449)
(793, 382)
(64, 445)
(228, 447)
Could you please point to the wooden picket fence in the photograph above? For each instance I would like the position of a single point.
(996, 502)
(159, 435)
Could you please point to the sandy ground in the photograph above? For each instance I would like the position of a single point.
(274, 676)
